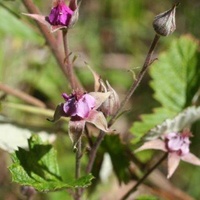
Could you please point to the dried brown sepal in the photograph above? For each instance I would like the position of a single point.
(164, 24)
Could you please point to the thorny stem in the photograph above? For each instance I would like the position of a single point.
(136, 83)
(78, 169)
(140, 181)
(69, 66)
(22, 95)
(51, 41)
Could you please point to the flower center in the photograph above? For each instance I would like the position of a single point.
(176, 142)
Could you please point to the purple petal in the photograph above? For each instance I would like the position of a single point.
(191, 158)
(82, 109)
(70, 107)
(175, 143)
(153, 144)
(65, 96)
(173, 162)
(184, 149)
(60, 15)
(84, 105)
(90, 100)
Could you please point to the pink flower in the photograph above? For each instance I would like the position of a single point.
(60, 14)
(177, 147)
(78, 106)
(60, 17)
(81, 108)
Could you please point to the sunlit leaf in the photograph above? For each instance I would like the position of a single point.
(38, 168)
(176, 74)
(146, 197)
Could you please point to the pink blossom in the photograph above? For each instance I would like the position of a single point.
(177, 147)
(177, 142)
(81, 108)
(78, 105)
(60, 15)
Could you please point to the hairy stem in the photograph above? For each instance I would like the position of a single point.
(136, 83)
(22, 95)
(140, 181)
(69, 66)
(78, 169)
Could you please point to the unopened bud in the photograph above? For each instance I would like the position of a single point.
(110, 106)
(164, 24)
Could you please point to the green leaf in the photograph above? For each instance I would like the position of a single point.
(175, 80)
(176, 75)
(38, 168)
(148, 122)
(10, 25)
(147, 197)
(118, 154)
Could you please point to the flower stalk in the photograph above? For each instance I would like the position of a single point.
(140, 181)
(147, 62)
(68, 64)
(52, 43)
(77, 195)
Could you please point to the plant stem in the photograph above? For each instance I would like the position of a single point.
(140, 181)
(51, 41)
(69, 66)
(129, 94)
(78, 169)
(136, 83)
(22, 95)
(134, 86)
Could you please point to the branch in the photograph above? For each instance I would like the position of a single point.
(133, 189)
(51, 41)
(136, 83)
(69, 66)
(22, 95)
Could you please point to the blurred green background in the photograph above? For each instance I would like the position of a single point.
(113, 37)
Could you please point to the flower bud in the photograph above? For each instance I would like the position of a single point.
(110, 106)
(164, 24)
